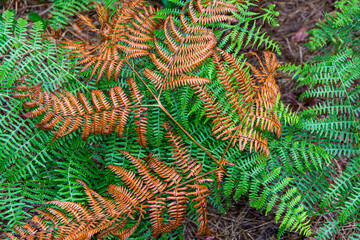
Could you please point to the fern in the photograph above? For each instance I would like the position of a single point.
(149, 191)
(16, 47)
(174, 68)
(120, 32)
(29, 163)
(61, 10)
(333, 120)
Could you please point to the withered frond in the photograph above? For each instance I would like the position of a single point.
(67, 113)
(67, 220)
(211, 11)
(139, 113)
(124, 36)
(250, 100)
(263, 82)
(187, 44)
(168, 173)
(155, 188)
(186, 47)
(189, 166)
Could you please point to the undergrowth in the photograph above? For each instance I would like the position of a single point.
(164, 114)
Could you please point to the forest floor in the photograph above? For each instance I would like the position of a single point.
(295, 18)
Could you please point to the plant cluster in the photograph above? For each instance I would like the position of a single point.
(333, 80)
(172, 117)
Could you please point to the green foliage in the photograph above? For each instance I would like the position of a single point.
(293, 181)
(332, 117)
(61, 10)
(24, 49)
(334, 79)
(246, 33)
(339, 31)
(34, 171)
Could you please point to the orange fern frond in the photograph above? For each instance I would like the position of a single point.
(264, 78)
(187, 44)
(211, 11)
(250, 101)
(190, 166)
(124, 36)
(67, 220)
(187, 47)
(181, 155)
(139, 113)
(155, 192)
(69, 113)
(153, 183)
(168, 173)
(156, 188)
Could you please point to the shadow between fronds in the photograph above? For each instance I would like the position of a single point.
(164, 192)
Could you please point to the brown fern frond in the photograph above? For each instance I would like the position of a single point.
(211, 11)
(164, 193)
(124, 36)
(156, 187)
(73, 221)
(157, 208)
(200, 192)
(68, 113)
(153, 183)
(264, 78)
(136, 185)
(250, 101)
(52, 34)
(177, 208)
(139, 114)
(102, 12)
(124, 234)
(181, 155)
(192, 168)
(186, 47)
(168, 173)
(187, 44)
(124, 198)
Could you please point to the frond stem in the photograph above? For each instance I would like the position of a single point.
(172, 118)
(227, 147)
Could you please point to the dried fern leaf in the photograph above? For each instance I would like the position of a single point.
(156, 187)
(185, 48)
(139, 114)
(264, 78)
(124, 36)
(251, 102)
(189, 166)
(67, 113)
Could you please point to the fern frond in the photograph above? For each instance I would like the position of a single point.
(185, 50)
(139, 114)
(242, 32)
(157, 186)
(30, 54)
(61, 10)
(124, 36)
(334, 81)
(250, 103)
(66, 113)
